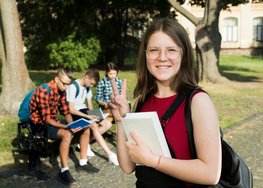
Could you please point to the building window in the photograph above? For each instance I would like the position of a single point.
(258, 29)
(230, 30)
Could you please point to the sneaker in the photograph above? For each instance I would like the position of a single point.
(88, 168)
(66, 177)
(90, 153)
(113, 159)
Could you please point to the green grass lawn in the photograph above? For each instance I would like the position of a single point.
(235, 101)
(242, 97)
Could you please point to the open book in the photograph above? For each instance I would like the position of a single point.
(148, 128)
(98, 112)
(82, 123)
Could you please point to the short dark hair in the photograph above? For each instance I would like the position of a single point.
(93, 73)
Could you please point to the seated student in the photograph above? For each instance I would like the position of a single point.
(78, 109)
(104, 89)
(44, 106)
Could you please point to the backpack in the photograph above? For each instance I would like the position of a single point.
(24, 109)
(77, 88)
(235, 172)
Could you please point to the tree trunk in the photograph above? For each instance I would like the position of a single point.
(208, 39)
(208, 43)
(15, 77)
(207, 57)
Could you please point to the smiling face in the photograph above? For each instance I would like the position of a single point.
(165, 60)
(163, 57)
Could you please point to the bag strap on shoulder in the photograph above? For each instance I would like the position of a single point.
(187, 114)
(46, 87)
(173, 107)
(189, 125)
(77, 88)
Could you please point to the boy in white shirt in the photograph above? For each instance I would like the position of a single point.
(79, 96)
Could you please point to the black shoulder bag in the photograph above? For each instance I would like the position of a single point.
(235, 172)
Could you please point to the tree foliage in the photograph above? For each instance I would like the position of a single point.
(75, 55)
(116, 24)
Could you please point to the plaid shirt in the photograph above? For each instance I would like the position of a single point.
(44, 106)
(104, 89)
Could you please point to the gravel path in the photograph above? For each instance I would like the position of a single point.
(245, 137)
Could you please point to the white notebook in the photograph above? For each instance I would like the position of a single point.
(147, 126)
(98, 112)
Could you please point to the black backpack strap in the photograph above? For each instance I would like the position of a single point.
(189, 125)
(173, 107)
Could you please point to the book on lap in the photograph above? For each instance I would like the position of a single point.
(98, 112)
(148, 128)
(82, 123)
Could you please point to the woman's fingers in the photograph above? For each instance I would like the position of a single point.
(124, 87)
(114, 87)
(136, 139)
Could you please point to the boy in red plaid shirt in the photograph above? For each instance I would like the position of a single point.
(44, 106)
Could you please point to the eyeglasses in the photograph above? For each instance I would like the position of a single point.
(63, 83)
(171, 53)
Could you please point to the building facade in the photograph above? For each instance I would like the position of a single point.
(241, 28)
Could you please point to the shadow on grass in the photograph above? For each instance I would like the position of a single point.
(229, 68)
(238, 77)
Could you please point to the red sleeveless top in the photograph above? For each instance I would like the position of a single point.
(175, 130)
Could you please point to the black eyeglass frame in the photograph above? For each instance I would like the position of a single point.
(63, 83)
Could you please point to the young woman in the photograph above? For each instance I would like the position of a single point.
(165, 69)
(104, 88)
